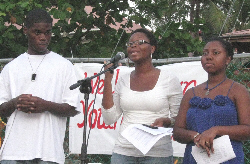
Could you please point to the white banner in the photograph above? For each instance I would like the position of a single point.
(102, 137)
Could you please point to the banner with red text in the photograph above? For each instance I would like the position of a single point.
(101, 137)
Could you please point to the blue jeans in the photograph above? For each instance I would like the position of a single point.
(34, 161)
(123, 159)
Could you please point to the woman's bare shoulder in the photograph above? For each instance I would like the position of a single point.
(239, 91)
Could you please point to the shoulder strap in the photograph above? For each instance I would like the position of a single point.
(230, 88)
(193, 91)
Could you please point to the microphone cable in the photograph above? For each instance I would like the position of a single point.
(90, 126)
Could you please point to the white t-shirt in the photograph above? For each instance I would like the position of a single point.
(37, 135)
(144, 108)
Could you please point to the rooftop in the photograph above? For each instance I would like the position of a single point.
(237, 36)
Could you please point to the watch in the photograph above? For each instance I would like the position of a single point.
(172, 122)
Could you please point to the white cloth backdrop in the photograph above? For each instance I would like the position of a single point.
(102, 137)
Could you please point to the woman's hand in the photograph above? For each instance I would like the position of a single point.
(108, 74)
(205, 140)
(107, 99)
(162, 122)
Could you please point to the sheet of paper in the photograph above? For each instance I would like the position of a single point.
(223, 151)
(143, 138)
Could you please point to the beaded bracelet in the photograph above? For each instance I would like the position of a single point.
(172, 122)
(196, 135)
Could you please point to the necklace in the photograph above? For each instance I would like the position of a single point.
(207, 93)
(33, 76)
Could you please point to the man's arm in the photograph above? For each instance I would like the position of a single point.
(32, 104)
(63, 110)
(7, 108)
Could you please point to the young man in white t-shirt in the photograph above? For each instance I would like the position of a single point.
(35, 95)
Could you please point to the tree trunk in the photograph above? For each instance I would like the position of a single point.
(192, 5)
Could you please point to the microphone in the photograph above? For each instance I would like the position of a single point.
(114, 60)
(117, 57)
(74, 86)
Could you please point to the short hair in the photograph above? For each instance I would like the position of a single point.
(150, 36)
(225, 44)
(37, 16)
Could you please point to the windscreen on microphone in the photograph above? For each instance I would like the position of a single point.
(117, 57)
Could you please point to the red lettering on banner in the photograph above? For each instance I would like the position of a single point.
(96, 114)
(188, 84)
(92, 114)
(116, 78)
(117, 74)
(101, 85)
(80, 125)
(85, 74)
(96, 82)
(172, 138)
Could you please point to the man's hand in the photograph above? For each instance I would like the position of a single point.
(30, 104)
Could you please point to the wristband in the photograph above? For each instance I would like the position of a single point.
(172, 122)
(196, 135)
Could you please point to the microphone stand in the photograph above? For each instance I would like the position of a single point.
(85, 87)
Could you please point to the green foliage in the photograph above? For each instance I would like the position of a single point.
(225, 16)
(238, 72)
(73, 27)
(214, 18)
(178, 42)
(83, 34)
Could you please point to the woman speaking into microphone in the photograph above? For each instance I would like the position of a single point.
(144, 96)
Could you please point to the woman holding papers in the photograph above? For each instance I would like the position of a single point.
(217, 107)
(144, 96)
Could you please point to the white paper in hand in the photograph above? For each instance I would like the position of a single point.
(142, 137)
(223, 151)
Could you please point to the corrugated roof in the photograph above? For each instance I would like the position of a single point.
(238, 33)
(238, 36)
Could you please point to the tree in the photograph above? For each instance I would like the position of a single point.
(221, 16)
(169, 20)
(73, 34)
(74, 25)
(199, 17)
